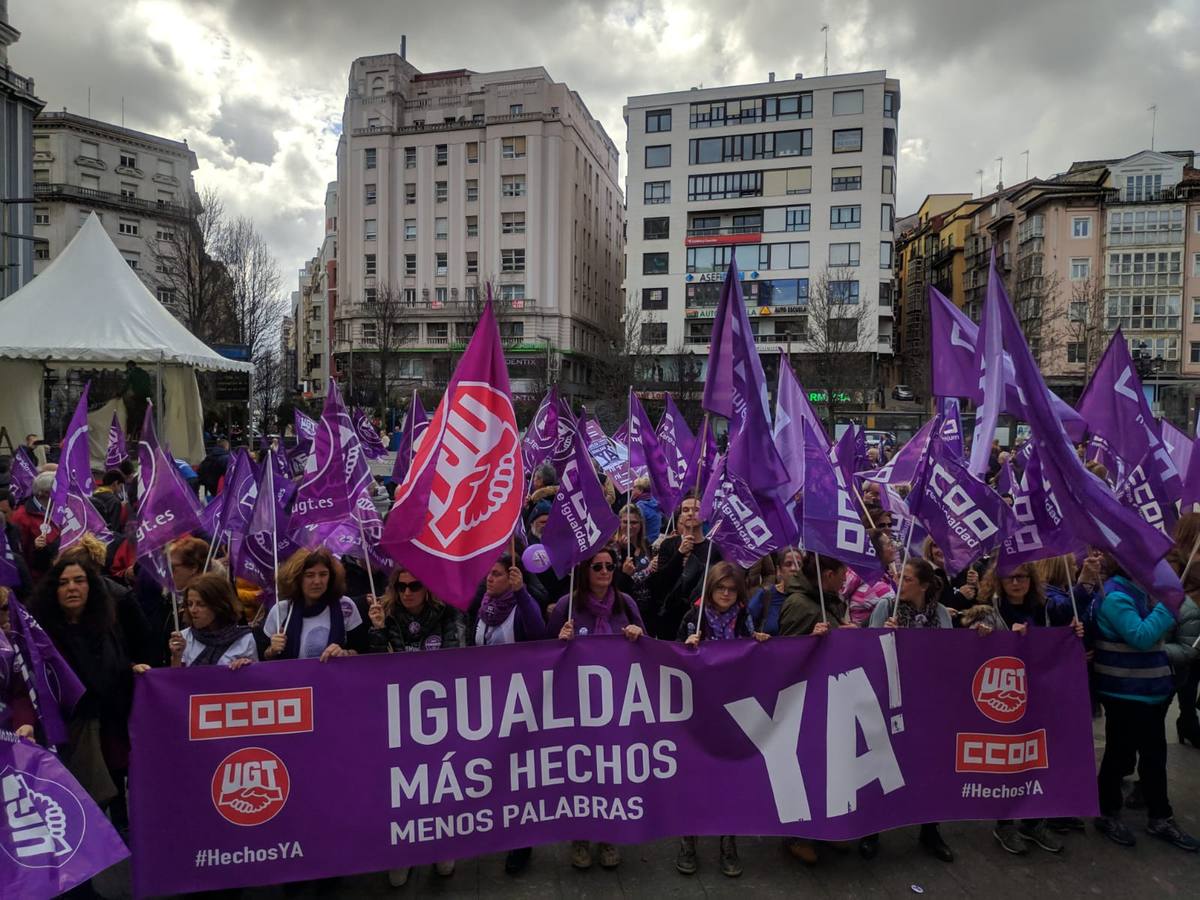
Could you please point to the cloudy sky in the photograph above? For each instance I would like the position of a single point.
(256, 86)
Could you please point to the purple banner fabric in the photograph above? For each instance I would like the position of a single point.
(644, 450)
(1006, 482)
(677, 443)
(54, 836)
(416, 420)
(324, 494)
(306, 432)
(473, 752)
(10, 575)
(702, 460)
(744, 525)
(990, 365)
(541, 436)
(1179, 445)
(1144, 490)
(72, 511)
(166, 507)
(610, 456)
(116, 452)
(53, 687)
(368, 436)
(230, 510)
(832, 519)
(1039, 531)
(21, 476)
(903, 466)
(792, 409)
(76, 456)
(951, 432)
(580, 520)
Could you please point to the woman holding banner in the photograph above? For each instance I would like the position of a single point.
(722, 615)
(682, 561)
(216, 636)
(313, 620)
(917, 606)
(595, 608)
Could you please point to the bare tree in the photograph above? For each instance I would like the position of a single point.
(256, 308)
(384, 313)
(840, 339)
(635, 357)
(267, 391)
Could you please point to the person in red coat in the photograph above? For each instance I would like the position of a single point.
(38, 549)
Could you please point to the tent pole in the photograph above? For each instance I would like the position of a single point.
(158, 390)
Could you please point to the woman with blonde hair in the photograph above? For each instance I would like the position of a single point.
(636, 563)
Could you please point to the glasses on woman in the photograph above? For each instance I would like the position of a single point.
(725, 589)
(403, 587)
(604, 567)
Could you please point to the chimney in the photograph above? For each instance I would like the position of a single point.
(770, 76)
(404, 46)
(799, 75)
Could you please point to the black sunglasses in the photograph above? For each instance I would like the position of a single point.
(413, 586)
(604, 567)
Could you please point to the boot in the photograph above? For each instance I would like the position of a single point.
(685, 859)
(731, 866)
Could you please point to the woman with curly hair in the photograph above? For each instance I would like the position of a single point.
(312, 619)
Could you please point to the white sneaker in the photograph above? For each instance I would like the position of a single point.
(444, 868)
(398, 877)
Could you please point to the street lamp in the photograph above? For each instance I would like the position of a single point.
(1146, 364)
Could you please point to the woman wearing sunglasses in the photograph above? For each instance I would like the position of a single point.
(409, 618)
(596, 608)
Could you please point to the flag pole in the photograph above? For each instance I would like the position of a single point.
(700, 458)
(571, 596)
(412, 438)
(1191, 557)
(174, 589)
(900, 578)
(629, 457)
(704, 581)
(821, 589)
(1071, 588)
(211, 550)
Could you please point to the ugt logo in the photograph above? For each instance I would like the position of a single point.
(250, 786)
(1000, 690)
(43, 822)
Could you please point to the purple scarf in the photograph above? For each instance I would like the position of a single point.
(494, 611)
(602, 609)
(295, 625)
(722, 626)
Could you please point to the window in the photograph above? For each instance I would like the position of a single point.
(370, 229)
(127, 160)
(1148, 269)
(441, 192)
(1081, 226)
(1151, 226)
(410, 157)
(512, 292)
(796, 218)
(441, 154)
(441, 264)
(131, 259)
(369, 332)
(891, 103)
(657, 192)
(843, 291)
(845, 217)
(721, 187)
(512, 329)
(512, 148)
(1077, 311)
(369, 264)
(410, 194)
(848, 178)
(658, 120)
(41, 217)
(512, 223)
(787, 106)
(750, 223)
(847, 103)
(441, 228)
(887, 217)
(885, 294)
(654, 333)
(410, 229)
(889, 142)
(793, 143)
(472, 262)
(512, 260)
(512, 186)
(843, 254)
(847, 140)
(369, 194)
(1142, 311)
(410, 264)
(889, 180)
(369, 158)
(472, 190)
(702, 225)
(165, 295)
(372, 121)
(778, 107)
(656, 229)
(797, 256)
(654, 298)
(1196, 265)
(885, 254)
(1196, 309)
(658, 156)
(768, 145)
(166, 167)
(41, 250)
(516, 109)
(843, 331)
(472, 153)
(1142, 187)
(130, 227)
(369, 295)
(166, 197)
(1194, 352)
(129, 191)
(1081, 268)
(41, 176)
(472, 226)
(655, 263)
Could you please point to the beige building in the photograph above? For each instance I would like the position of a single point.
(139, 185)
(18, 106)
(312, 307)
(448, 180)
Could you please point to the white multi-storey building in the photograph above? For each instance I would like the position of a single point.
(794, 179)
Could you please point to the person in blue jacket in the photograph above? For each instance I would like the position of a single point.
(645, 502)
(1133, 678)
(765, 605)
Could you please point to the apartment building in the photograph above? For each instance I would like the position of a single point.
(139, 185)
(450, 180)
(795, 180)
(18, 106)
(313, 308)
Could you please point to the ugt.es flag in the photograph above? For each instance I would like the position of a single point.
(462, 496)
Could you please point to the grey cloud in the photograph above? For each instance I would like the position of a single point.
(249, 124)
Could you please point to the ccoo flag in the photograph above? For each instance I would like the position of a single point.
(677, 443)
(831, 521)
(461, 499)
(580, 520)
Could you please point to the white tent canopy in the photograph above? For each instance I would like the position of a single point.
(87, 310)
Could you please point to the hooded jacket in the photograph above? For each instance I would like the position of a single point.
(801, 610)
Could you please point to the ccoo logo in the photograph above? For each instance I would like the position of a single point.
(250, 786)
(1000, 690)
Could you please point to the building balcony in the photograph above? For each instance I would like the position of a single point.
(18, 82)
(1118, 197)
(459, 125)
(108, 200)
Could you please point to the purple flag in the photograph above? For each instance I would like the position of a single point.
(792, 409)
(76, 456)
(1039, 530)
(56, 837)
(700, 467)
(580, 520)
(541, 436)
(230, 510)
(53, 687)
(903, 465)
(463, 494)
(677, 443)
(955, 372)
(166, 507)
(324, 493)
(1190, 494)
(116, 452)
(415, 422)
(73, 512)
(746, 526)
(368, 437)
(965, 517)
(620, 437)
(567, 423)
(266, 541)
(951, 432)
(831, 520)
(843, 452)
(610, 456)
(1179, 445)
(1144, 490)
(990, 363)
(306, 431)
(644, 450)
(1096, 516)
(21, 476)
(1005, 482)
(10, 575)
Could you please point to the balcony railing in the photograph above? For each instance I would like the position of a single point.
(20, 82)
(93, 197)
(1117, 196)
(727, 229)
(457, 125)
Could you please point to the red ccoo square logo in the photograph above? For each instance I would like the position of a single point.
(250, 713)
(1001, 754)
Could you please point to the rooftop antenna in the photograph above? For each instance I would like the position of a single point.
(825, 29)
(1000, 178)
(122, 112)
(1153, 110)
(979, 172)
(89, 101)
(1025, 153)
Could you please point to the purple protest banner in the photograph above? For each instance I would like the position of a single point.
(166, 507)
(10, 575)
(951, 432)
(990, 365)
(702, 460)
(1039, 530)
(792, 409)
(21, 476)
(54, 836)
(116, 452)
(1144, 490)
(416, 420)
(53, 687)
(1179, 445)
(1006, 482)
(600, 739)
(368, 437)
(306, 432)
(76, 456)
(324, 493)
(610, 456)
(645, 450)
(832, 522)
(580, 520)
(542, 434)
(745, 526)
(72, 511)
